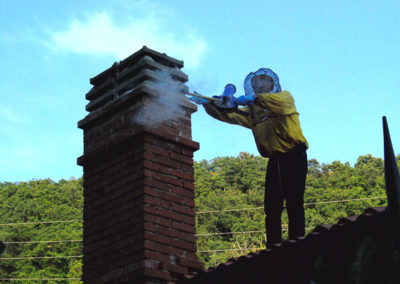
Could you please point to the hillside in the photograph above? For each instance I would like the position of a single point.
(229, 206)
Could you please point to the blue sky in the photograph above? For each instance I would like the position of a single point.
(339, 59)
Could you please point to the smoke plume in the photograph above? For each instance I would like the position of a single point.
(165, 107)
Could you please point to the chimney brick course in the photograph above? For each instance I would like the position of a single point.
(139, 219)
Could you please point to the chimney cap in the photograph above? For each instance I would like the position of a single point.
(134, 58)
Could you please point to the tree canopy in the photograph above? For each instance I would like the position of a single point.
(229, 199)
(333, 191)
(24, 208)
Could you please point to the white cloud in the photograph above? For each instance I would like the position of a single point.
(99, 34)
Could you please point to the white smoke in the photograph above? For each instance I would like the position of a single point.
(165, 107)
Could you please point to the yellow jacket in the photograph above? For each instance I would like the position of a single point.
(274, 120)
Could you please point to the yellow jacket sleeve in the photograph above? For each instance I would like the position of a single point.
(230, 117)
(279, 103)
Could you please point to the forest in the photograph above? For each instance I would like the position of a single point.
(41, 220)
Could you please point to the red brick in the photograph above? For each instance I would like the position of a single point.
(169, 179)
(180, 174)
(184, 227)
(157, 220)
(183, 245)
(127, 237)
(183, 209)
(166, 161)
(158, 202)
(163, 248)
(191, 220)
(152, 264)
(162, 239)
(169, 196)
(173, 147)
(132, 203)
(119, 181)
(175, 216)
(172, 233)
(183, 192)
(191, 255)
(163, 143)
(106, 258)
(188, 143)
(177, 252)
(172, 131)
(156, 149)
(124, 193)
(181, 158)
(187, 152)
(162, 177)
(149, 254)
(132, 208)
(156, 246)
(191, 262)
(151, 227)
(88, 247)
(188, 202)
(185, 121)
(169, 163)
(157, 184)
(176, 268)
(188, 185)
(190, 238)
(116, 234)
(132, 251)
(151, 139)
(135, 189)
(100, 230)
(164, 213)
(157, 167)
(135, 183)
(187, 169)
(148, 156)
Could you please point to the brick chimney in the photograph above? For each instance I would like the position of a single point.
(139, 220)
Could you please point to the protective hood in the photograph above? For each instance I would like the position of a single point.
(248, 89)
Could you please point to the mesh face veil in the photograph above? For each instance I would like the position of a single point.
(248, 89)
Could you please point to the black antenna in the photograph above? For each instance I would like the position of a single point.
(392, 180)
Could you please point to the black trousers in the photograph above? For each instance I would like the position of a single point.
(285, 180)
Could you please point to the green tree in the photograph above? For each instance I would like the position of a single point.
(31, 203)
(333, 191)
(229, 198)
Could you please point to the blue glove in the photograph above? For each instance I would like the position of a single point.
(199, 101)
(245, 100)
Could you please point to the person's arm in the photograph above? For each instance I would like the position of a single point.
(279, 103)
(230, 117)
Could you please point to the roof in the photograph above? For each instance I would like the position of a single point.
(293, 261)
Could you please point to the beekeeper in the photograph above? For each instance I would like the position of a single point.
(272, 116)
